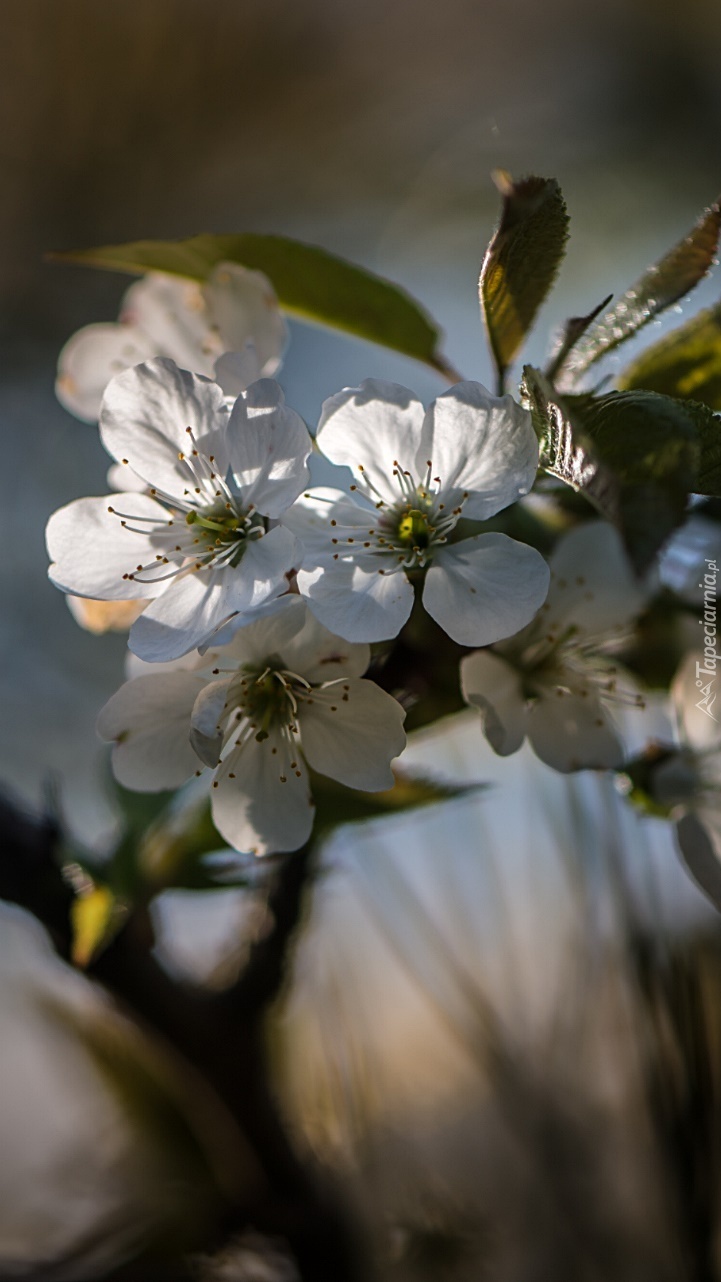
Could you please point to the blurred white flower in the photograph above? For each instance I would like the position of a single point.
(554, 682)
(284, 694)
(229, 328)
(199, 541)
(416, 473)
(98, 1160)
(686, 781)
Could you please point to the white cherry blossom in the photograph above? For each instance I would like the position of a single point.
(229, 328)
(555, 681)
(283, 695)
(202, 543)
(415, 474)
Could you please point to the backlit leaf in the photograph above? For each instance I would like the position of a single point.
(660, 286)
(310, 283)
(685, 363)
(521, 262)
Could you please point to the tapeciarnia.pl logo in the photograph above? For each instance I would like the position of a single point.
(706, 672)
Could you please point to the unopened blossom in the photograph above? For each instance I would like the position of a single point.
(201, 543)
(229, 328)
(415, 475)
(283, 695)
(557, 680)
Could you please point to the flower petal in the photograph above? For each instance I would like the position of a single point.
(268, 447)
(571, 733)
(197, 603)
(271, 627)
(94, 355)
(485, 588)
(592, 583)
(481, 444)
(149, 720)
(172, 312)
(494, 687)
(324, 514)
(244, 307)
(356, 602)
(260, 802)
(145, 415)
(318, 656)
(91, 551)
(368, 428)
(99, 617)
(235, 371)
(206, 723)
(351, 731)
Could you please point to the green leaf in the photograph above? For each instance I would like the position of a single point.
(310, 283)
(660, 286)
(686, 363)
(634, 455)
(336, 804)
(521, 262)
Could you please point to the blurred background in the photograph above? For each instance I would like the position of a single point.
(370, 129)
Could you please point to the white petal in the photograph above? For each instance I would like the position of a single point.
(481, 444)
(244, 307)
(261, 804)
(271, 627)
(187, 613)
(171, 312)
(268, 449)
(485, 588)
(698, 840)
(235, 371)
(122, 478)
(91, 551)
(321, 515)
(357, 603)
(592, 583)
(318, 656)
(351, 732)
(93, 356)
(368, 428)
(206, 723)
(571, 733)
(696, 705)
(149, 720)
(494, 687)
(194, 605)
(145, 415)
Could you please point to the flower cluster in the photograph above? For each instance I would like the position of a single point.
(224, 562)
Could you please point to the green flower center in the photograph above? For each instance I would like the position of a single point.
(221, 530)
(269, 696)
(414, 530)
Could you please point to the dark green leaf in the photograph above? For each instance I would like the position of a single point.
(660, 286)
(634, 455)
(336, 804)
(310, 283)
(686, 363)
(521, 262)
(708, 429)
